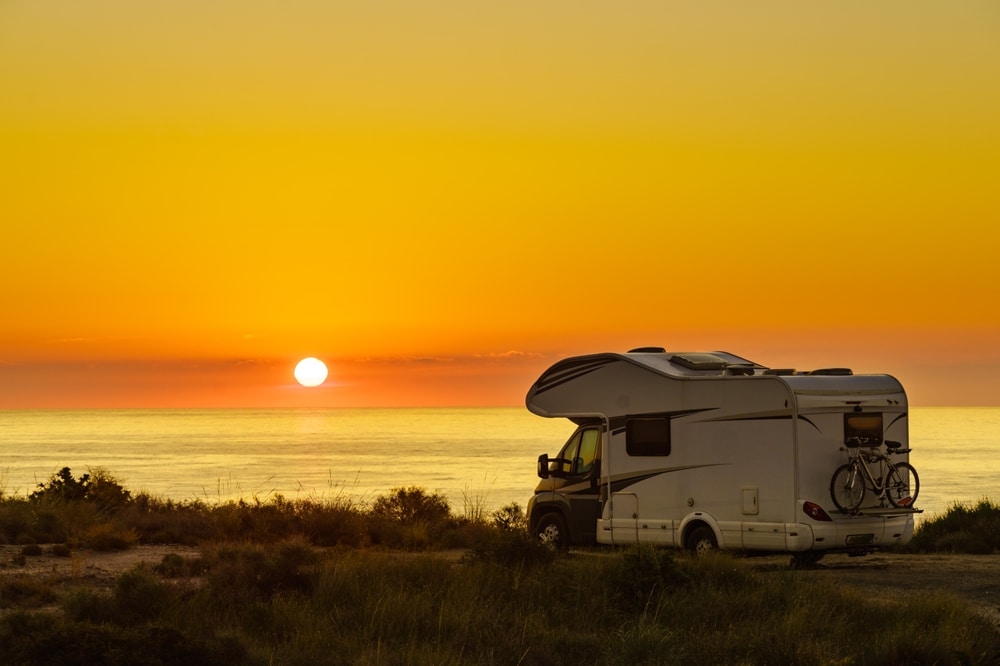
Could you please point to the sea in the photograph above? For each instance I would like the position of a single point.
(479, 459)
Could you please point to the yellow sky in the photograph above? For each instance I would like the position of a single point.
(442, 198)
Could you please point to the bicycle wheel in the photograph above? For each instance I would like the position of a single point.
(902, 485)
(847, 488)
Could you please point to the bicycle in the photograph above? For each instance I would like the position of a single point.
(896, 482)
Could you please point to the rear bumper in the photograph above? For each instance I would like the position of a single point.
(853, 533)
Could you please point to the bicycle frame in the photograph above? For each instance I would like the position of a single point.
(862, 461)
(894, 483)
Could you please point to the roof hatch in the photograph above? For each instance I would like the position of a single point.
(696, 361)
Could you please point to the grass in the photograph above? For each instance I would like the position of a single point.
(282, 582)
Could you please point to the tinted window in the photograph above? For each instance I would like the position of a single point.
(579, 454)
(647, 437)
(588, 452)
(866, 427)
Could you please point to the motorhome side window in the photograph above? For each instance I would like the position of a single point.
(580, 452)
(647, 437)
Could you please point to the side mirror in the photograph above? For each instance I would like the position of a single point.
(543, 466)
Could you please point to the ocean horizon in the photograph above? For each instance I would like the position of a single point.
(478, 458)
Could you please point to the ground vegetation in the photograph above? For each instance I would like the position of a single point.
(405, 579)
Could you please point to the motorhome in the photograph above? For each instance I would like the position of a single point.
(706, 450)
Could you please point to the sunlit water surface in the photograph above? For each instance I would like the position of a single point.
(477, 458)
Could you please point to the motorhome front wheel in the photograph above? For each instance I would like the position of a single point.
(552, 531)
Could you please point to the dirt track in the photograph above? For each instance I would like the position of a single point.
(975, 578)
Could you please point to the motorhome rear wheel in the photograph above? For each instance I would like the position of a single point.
(702, 540)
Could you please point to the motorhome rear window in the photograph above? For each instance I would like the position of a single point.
(864, 426)
(647, 437)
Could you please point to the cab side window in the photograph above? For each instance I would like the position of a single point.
(587, 454)
(580, 453)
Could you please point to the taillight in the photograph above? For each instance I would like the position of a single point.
(815, 511)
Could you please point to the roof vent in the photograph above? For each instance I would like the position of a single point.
(831, 371)
(647, 350)
(780, 371)
(698, 361)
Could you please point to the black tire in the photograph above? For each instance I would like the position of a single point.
(902, 485)
(701, 541)
(552, 531)
(847, 488)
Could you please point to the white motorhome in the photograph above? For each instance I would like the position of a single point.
(705, 450)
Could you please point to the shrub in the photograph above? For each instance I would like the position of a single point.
(63, 487)
(15, 521)
(238, 575)
(31, 549)
(140, 596)
(24, 592)
(644, 575)
(509, 518)
(98, 487)
(412, 505)
(409, 518)
(84, 605)
(107, 537)
(507, 541)
(962, 529)
(339, 524)
(172, 566)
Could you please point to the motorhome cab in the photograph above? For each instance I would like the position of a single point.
(710, 450)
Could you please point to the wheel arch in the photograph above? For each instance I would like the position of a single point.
(541, 508)
(693, 521)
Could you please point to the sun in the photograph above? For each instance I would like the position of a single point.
(310, 372)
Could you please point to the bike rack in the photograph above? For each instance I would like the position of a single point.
(886, 512)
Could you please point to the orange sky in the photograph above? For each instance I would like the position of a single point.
(441, 199)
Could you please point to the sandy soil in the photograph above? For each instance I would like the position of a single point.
(84, 567)
(975, 578)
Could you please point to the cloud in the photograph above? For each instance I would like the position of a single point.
(513, 353)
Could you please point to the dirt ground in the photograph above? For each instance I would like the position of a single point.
(975, 578)
(85, 567)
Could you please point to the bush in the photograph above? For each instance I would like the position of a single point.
(140, 596)
(31, 550)
(409, 518)
(962, 529)
(24, 592)
(97, 487)
(106, 537)
(510, 518)
(238, 575)
(412, 505)
(645, 574)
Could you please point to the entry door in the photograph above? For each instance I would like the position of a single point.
(624, 511)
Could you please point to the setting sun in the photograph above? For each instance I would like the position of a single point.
(310, 372)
